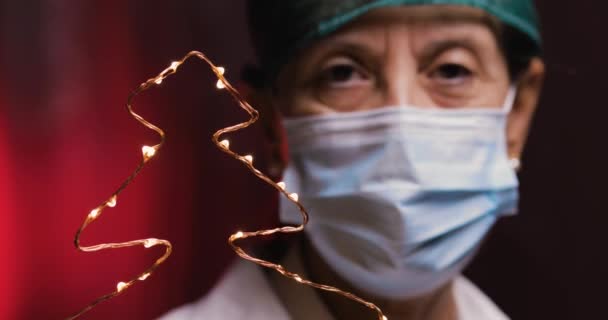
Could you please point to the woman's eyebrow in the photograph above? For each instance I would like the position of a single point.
(351, 42)
(360, 51)
(435, 48)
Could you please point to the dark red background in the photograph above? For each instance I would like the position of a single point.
(66, 68)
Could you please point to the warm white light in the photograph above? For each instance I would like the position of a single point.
(282, 185)
(384, 318)
(238, 235)
(220, 84)
(225, 144)
(294, 196)
(221, 70)
(158, 81)
(148, 243)
(248, 158)
(144, 276)
(148, 151)
(174, 65)
(94, 213)
(298, 279)
(121, 286)
(112, 202)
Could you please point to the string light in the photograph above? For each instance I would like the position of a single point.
(225, 144)
(94, 213)
(248, 158)
(112, 202)
(121, 286)
(175, 64)
(220, 84)
(148, 152)
(149, 243)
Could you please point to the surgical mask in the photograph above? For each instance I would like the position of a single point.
(400, 197)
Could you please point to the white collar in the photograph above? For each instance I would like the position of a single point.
(303, 303)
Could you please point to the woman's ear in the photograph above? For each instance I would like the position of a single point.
(529, 86)
(270, 120)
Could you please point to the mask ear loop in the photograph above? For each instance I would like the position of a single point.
(510, 99)
(514, 160)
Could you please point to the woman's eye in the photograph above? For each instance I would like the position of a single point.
(343, 84)
(451, 73)
(342, 75)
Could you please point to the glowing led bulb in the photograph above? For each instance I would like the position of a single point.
(294, 196)
(384, 318)
(238, 235)
(297, 278)
(225, 144)
(112, 202)
(94, 213)
(174, 65)
(220, 84)
(148, 151)
(158, 81)
(248, 158)
(282, 185)
(149, 243)
(144, 276)
(121, 286)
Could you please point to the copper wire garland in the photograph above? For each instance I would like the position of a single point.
(149, 151)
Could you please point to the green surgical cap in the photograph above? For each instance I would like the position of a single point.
(280, 28)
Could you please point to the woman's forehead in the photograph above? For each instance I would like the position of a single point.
(471, 27)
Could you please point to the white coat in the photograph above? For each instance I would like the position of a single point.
(247, 292)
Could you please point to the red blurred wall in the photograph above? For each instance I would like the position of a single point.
(66, 142)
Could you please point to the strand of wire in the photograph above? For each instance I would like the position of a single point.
(147, 153)
(247, 160)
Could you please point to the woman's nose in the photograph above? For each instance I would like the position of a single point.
(400, 77)
(396, 94)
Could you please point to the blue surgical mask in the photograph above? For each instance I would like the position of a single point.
(400, 197)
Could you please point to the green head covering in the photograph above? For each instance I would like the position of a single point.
(280, 28)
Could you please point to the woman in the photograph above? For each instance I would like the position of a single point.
(404, 122)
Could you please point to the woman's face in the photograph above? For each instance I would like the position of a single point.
(426, 56)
